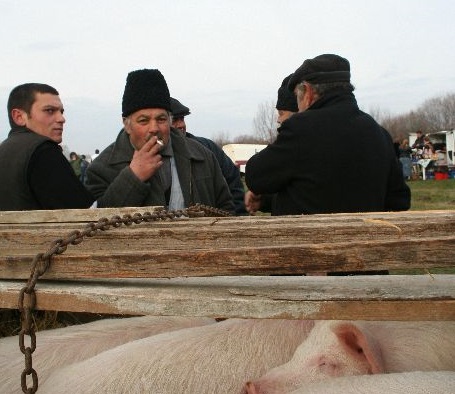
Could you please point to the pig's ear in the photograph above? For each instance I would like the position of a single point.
(360, 345)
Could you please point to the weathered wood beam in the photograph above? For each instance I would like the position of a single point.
(231, 246)
(395, 297)
(79, 262)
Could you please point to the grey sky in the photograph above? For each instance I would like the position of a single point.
(220, 58)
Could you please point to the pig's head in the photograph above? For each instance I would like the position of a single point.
(333, 349)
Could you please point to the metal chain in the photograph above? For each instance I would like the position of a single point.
(42, 261)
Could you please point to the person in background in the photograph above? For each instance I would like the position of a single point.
(34, 173)
(330, 157)
(286, 103)
(428, 149)
(75, 162)
(405, 152)
(286, 106)
(95, 155)
(84, 166)
(230, 172)
(150, 163)
(419, 142)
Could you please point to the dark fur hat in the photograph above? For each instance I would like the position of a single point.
(286, 99)
(145, 89)
(178, 109)
(321, 69)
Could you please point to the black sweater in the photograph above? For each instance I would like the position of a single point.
(34, 174)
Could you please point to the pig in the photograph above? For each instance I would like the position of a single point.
(343, 348)
(208, 359)
(434, 382)
(62, 346)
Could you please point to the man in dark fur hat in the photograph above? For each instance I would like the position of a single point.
(330, 157)
(150, 163)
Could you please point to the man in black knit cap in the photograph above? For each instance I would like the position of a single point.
(330, 157)
(286, 103)
(230, 172)
(150, 163)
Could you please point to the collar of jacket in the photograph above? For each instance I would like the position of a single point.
(333, 98)
(122, 151)
(20, 129)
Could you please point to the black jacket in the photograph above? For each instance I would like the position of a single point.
(230, 172)
(330, 158)
(34, 174)
(111, 180)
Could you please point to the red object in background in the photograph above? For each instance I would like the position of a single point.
(441, 175)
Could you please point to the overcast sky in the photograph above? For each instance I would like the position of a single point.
(220, 58)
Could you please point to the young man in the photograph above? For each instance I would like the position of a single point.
(150, 163)
(230, 172)
(34, 174)
(330, 157)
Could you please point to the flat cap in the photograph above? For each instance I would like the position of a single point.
(321, 69)
(178, 109)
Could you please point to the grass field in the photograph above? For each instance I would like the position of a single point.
(429, 195)
(432, 194)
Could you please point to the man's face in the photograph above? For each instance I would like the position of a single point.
(146, 123)
(46, 116)
(178, 122)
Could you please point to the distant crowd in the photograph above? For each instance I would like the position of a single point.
(81, 163)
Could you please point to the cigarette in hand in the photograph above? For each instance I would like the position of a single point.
(159, 141)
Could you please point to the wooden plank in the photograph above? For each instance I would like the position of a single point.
(418, 297)
(231, 233)
(286, 259)
(67, 215)
(87, 215)
(237, 245)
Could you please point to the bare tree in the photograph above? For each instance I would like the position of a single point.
(265, 122)
(222, 138)
(439, 112)
(248, 139)
(433, 115)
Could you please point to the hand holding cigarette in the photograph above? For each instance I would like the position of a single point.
(147, 159)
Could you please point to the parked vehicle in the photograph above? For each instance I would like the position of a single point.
(241, 153)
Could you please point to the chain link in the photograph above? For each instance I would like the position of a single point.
(41, 262)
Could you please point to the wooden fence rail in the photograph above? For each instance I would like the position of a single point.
(237, 266)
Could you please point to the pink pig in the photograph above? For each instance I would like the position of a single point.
(64, 346)
(215, 358)
(434, 382)
(336, 348)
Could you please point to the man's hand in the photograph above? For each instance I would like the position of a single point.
(252, 202)
(147, 160)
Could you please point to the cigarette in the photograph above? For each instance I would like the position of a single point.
(159, 140)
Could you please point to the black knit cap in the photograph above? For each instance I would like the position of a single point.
(321, 69)
(145, 89)
(178, 109)
(286, 99)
